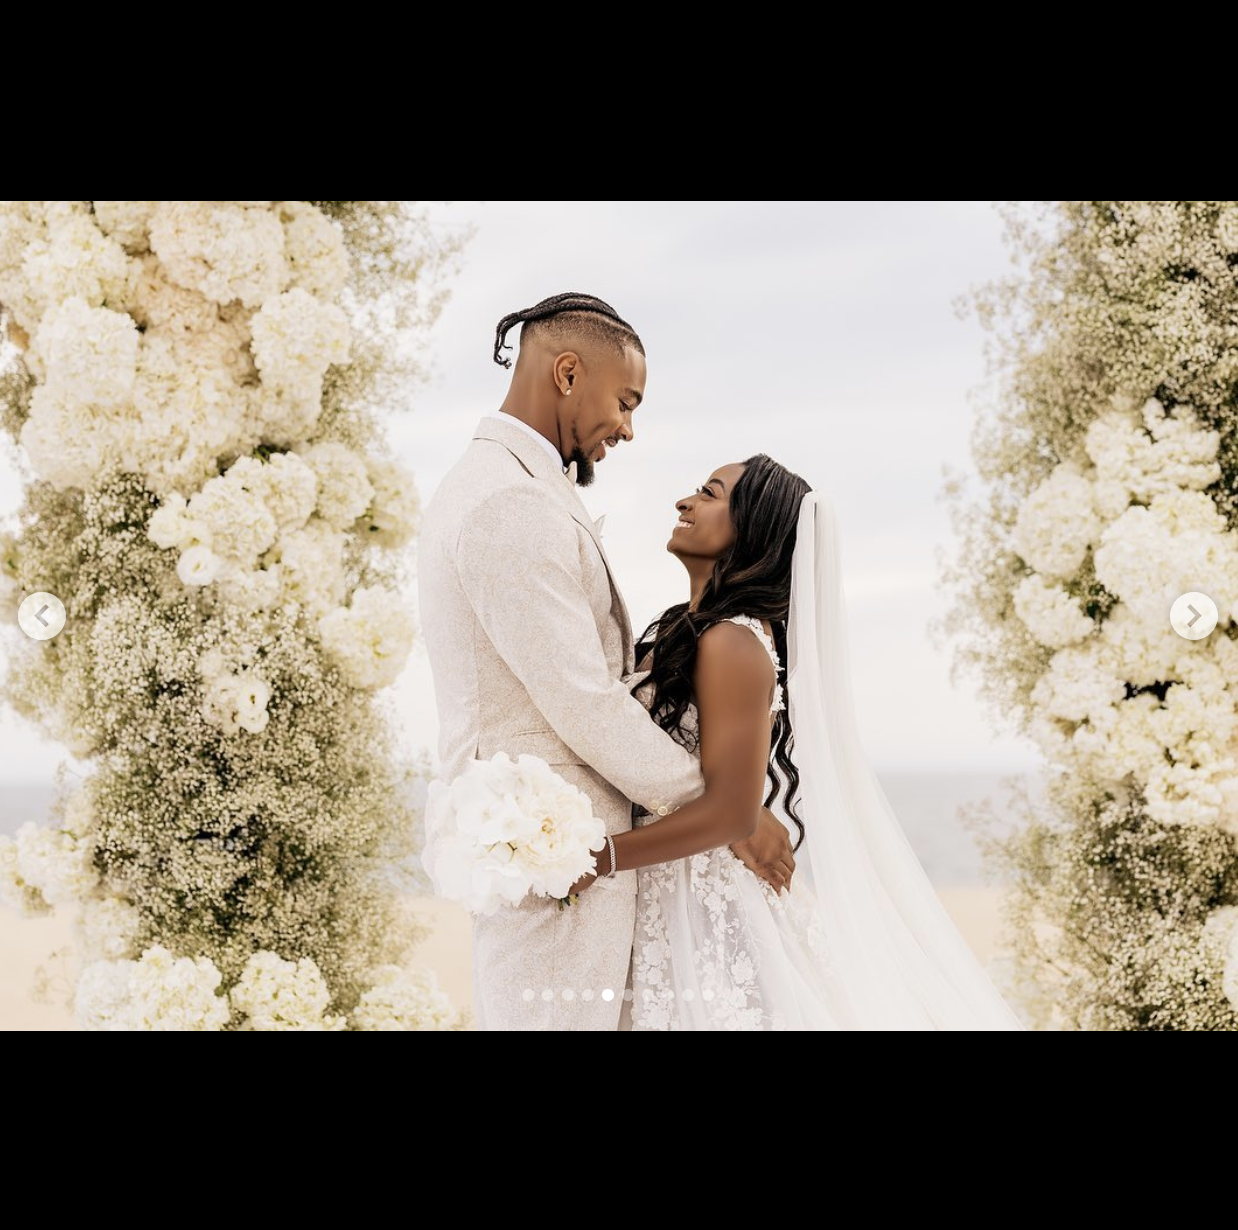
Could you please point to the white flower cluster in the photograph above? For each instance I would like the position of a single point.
(214, 503)
(370, 640)
(1129, 698)
(506, 828)
(160, 992)
(278, 996)
(405, 1001)
(165, 335)
(233, 701)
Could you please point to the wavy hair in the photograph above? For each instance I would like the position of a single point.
(752, 577)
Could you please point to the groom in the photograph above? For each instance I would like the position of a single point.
(529, 641)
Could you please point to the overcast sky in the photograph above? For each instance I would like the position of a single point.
(823, 334)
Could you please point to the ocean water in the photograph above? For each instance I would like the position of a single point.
(930, 806)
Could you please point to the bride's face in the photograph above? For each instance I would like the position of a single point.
(705, 529)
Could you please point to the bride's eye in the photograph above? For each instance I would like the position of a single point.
(703, 491)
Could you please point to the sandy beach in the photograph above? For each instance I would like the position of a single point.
(28, 946)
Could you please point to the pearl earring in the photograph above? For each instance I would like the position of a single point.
(567, 392)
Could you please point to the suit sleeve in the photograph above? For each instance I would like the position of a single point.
(518, 560)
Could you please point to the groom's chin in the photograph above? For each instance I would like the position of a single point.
(584, 469)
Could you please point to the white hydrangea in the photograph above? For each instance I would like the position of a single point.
(395, 511)
(1050, 614)
(1148, 453)
(1141, 651)
(314, 247)
(1078, 684)
(76, 259)
(295, 339)
(108, 928)
(311, 562)
(1185, 793)
(222, 249)
(278, 996)
(344, 490)
(1149, 556)
(234, 701)
(405, 1001)
(1119, 740)
(199, 566)
(1057, 523)
(370, 640)
(60, 865)
(159, 993)
(15, 892)
(236, 517)
(21, 226)
(167, 307)
(128, 222)
(88, 356)
(289, 488)
(256, 589)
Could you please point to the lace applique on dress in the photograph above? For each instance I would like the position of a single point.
(755, 627)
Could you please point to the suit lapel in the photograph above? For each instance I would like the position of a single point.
(542, 466)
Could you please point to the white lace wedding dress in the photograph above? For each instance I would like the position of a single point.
(717, 948)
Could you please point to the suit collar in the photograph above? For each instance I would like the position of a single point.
(522, 446)
(540, 465)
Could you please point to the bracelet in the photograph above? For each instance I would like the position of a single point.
(610, 845)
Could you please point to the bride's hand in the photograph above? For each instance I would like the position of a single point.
(767, 853)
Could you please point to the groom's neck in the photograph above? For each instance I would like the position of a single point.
(542, 419)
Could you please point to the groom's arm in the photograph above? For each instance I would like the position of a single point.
(518, 560)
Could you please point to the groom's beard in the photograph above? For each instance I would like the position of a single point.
(584, 467)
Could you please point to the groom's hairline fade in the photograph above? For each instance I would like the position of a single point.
(567, 315)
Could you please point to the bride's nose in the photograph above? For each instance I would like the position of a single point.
(683, 505)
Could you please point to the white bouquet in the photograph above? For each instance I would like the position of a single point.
(506, 828)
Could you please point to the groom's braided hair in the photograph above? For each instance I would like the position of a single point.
(584, 314)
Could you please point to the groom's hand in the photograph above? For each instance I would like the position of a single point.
(767, 853)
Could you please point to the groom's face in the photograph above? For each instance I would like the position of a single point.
(606, 389)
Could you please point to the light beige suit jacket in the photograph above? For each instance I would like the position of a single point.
(529, 641)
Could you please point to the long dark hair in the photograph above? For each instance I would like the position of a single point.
(753, 577)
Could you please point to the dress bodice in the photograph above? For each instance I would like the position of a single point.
(688, 723)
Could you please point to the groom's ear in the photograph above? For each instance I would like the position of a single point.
(567, 367)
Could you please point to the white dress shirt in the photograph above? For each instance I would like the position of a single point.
(537, 435)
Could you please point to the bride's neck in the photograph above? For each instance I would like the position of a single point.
(698, 578)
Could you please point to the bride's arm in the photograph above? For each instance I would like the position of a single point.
(734, 681)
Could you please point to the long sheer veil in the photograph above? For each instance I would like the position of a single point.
(899, 962)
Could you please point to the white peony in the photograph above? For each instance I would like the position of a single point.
(1050, 614)
(1057, 523)
(278, 996)
(221, 249)
(405, 1001)
(369, 641)
(199, 566)
(505, 828)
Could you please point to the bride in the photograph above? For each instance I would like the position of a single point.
(752, 675)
